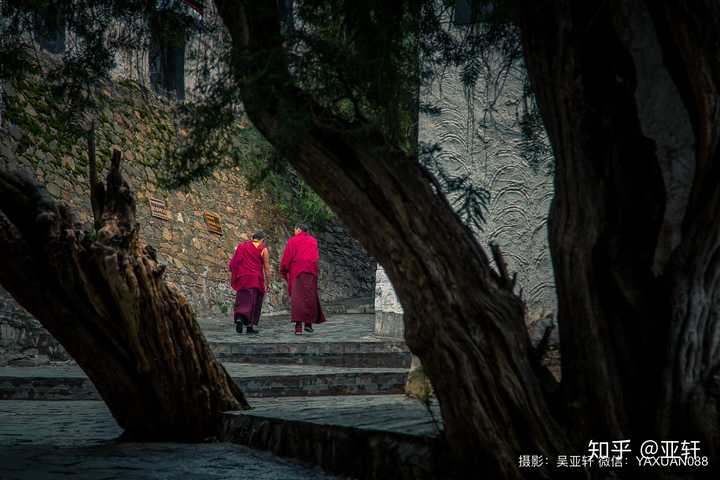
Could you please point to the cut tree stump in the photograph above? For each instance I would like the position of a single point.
(102, 295)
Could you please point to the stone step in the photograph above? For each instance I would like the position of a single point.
(331, 309)
(362, 437)
(369, 354)
(68, 382)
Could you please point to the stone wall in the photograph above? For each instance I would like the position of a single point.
(479, 134)
(141, 125)
(23, 341)
(346, 271)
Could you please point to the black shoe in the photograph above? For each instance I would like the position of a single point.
(308, 329)
(251, 330)
(238, 327)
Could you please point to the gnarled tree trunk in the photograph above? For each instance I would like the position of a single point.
(690, 398)
(461, 317)
(102, 295)
(605, 217)
(639, 337)
(639, 346)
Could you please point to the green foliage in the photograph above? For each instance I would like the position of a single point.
(468, 199)
(297, 202)
(362, 61)
(241, 145)
(534, 147)
(266, 171)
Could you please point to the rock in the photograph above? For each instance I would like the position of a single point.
(6, 151)
(54, 190)
(10, 90)
(15, 132)
(68, 163)
(538, 323)
(418, 385)
(34, 360)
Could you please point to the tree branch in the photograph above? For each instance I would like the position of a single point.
(97, 189)
(462, 323)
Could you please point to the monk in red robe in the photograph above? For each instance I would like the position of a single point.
(250, 278)
(299, 268)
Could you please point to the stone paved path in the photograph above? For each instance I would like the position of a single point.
(385, 413)
(386, 436)
(337, 328)
(243, 370)
(74, 440)
(341, 357)
(60, 439)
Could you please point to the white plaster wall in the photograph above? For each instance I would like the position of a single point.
(482, 138)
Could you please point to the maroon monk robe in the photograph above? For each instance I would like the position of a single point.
(248, 280)
(299, 267)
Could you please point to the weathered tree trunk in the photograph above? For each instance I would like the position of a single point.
(690, 400)
(641, 349)
(605, 217)
(461, 317)
(102, 295)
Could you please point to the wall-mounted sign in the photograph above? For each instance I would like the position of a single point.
(158, 209)
(212, 220)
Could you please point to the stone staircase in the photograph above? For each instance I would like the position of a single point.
(342, 357)
(68, 382)
(331, 399)
(390, 354)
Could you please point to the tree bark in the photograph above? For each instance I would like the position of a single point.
(641, 356)
(690, 401)
(102, 295)
(461, 317)
(618, 318)
(605, 217)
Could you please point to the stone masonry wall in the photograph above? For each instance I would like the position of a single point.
(141, 125)
(346, 271)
